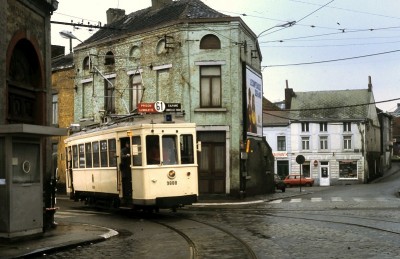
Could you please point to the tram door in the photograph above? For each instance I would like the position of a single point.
(125, 167)
(324, 177)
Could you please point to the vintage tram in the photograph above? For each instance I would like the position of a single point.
(140, 164)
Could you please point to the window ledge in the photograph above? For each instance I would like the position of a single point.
(210, 110)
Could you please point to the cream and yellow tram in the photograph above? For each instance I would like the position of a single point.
(140, 165)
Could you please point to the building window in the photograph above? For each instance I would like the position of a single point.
(346, 142)
(87, 97)
(210, 42)
(323, 143)
(281, 143)
(135, 92)
(86, 63)
(109, 95)
(109, 59)
(346, 126)
(305, 143)
(323, 127)
(55, 109)
(210, 86)
(348, 169)
(305, 127)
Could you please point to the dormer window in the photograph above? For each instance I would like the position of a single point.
(210, 42)
(109, 59)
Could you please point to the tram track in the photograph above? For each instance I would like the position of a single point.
(206, 240)
(372, 223)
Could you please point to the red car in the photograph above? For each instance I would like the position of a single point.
(295, 180)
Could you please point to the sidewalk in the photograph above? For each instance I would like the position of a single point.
(62, 236)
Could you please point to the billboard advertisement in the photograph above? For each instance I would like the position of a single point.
(254, 96)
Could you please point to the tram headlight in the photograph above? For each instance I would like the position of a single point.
(171, 174)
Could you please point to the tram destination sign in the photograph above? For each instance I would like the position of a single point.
(158, 107)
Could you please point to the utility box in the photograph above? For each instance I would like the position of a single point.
(21, 178)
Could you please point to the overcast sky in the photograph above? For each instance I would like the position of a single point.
(334, 45)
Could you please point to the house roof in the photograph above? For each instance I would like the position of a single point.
(273, 116)
(150, 18)
(337, 105)
(62, 62)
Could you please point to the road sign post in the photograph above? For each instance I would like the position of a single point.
(300, 160)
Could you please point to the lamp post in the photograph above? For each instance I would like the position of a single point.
(70, 36)
(285, 25)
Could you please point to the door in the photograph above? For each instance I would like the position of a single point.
(324, 175)
(212, 165)
(26, 210)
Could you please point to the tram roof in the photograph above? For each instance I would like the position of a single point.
(139, 122)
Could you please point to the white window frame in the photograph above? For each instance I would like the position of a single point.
(323, 143)
(305, 143)
(347, 145)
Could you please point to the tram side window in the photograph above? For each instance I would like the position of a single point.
(169, 150)
(81, 155)
(137, 159)
(96, 154)
(103, 153)
(88, 155)
(153, 150)
(112, 153)
(187, 152)
(75, 156)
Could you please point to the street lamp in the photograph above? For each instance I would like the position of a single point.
(285, 25)
(70, 36)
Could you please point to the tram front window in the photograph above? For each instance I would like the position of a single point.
(153, 150)
(169, 150)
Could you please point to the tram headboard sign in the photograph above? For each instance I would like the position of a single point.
(158, 107)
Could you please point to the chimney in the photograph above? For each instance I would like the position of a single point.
(288, 96)
(369, 84)
(157, 4)
(114, 14)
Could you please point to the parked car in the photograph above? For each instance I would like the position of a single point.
(295, 180)
(279, 184)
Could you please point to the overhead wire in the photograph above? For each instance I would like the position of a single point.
(332, 60)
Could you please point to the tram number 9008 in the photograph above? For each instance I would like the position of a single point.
(172, 182)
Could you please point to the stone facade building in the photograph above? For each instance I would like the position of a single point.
(26, 172)
(182, 52)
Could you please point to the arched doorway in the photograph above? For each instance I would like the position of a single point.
(25, 93)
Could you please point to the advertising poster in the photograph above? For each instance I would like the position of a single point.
(254, 95)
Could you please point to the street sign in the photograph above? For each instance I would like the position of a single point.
(300, 159)
(146, 108)
(159, 106)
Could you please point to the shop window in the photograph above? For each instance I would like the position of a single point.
(348, 169)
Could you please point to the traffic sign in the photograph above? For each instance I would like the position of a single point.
(300, 159)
